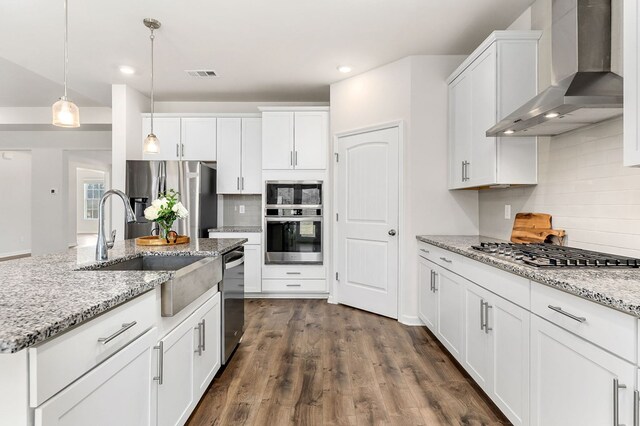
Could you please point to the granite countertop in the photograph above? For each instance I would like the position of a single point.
(615, 288)
(42, 296)
(236, 229)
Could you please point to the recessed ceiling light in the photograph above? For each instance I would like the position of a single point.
(125, 69)
(552, 115)
(509, 132)
(344, 69)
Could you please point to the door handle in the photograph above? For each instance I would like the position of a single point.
(616, 403)
(159, 378)
(392, 232)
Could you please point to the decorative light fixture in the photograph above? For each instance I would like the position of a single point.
(345, 69)
(65, 113)
(151, 144)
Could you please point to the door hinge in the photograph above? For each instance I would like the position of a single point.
(337, 157)
(337, 277)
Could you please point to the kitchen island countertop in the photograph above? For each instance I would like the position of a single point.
(42, 296)
(616, 288)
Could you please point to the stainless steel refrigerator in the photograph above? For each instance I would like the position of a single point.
(194, 180)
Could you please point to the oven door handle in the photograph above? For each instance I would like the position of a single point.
(293, 219)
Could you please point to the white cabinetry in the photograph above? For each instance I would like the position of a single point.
(295, 139)
(450, 292)
(631, 84)
(119, 391)
(190, 359)
(239, 156)
(427, 296)
(181, 138)
(499, 76)
(573, 381)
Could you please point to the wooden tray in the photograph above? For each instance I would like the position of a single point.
(155, 240)
(535, 228)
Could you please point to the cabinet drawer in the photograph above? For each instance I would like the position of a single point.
(253, 237)
(58, 362)
(603, 326)
(294, 286)
(442, 257)
(293, 272)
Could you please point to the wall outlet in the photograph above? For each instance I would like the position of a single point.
(507, 211)
(241, 209)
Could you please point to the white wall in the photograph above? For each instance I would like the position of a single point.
(413, 90)
(15, 217)
(582, 182)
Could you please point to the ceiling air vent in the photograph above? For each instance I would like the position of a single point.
(201, 73)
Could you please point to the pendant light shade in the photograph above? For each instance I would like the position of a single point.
(151, 143)
(64, 112)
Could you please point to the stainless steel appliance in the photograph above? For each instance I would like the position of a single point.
(232, 296)
(293, 222)
(555, 256)
(194, 180)
(584, 90)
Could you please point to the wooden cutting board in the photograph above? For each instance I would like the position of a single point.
(535, 228)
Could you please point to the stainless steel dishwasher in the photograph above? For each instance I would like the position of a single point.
(232, 292)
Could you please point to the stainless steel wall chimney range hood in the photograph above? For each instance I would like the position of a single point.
(584, 90)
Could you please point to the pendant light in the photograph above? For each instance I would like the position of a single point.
(151, 144)
(65, 113)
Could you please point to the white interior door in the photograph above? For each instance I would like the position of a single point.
(368, 205)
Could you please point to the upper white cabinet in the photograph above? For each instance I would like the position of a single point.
(239, 156)
(187, 138)
(631, 86)
(198, 139)
(295, 139)
(497, 78)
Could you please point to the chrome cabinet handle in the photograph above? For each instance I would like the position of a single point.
(481, 314)
(487, 306)
(177, 150)
(126, 326)
(293, 273)
(435, 281)
(291, 158)
(242, 183)
(445, 259)
(182, 149)
(431, 282)
(200, 346)
(636, 401)
(296, 158)
(616, 406)
(294, 285)
(425, 251)
(238, 183)
(160, 377)
(559, 310)
(204, 336)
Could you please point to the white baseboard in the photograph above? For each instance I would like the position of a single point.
(332, 300)
(410, 320)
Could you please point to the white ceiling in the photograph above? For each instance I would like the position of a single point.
(262, 50)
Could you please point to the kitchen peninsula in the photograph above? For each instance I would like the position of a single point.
(74, 336)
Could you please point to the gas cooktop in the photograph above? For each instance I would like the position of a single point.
(554, 256)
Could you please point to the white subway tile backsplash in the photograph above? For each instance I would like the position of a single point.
(583, 184)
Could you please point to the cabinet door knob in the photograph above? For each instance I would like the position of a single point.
(392, 232)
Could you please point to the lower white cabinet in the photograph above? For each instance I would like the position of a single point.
(450, 292)
(427, 296)
(573, 382)
(486, 333)
(188, 364)
(252, 268)
(119, 391)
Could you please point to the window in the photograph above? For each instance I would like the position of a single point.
(93, 191)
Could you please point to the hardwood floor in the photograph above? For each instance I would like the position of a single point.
(306, 362)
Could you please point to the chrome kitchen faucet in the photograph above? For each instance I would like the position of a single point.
(103, 245)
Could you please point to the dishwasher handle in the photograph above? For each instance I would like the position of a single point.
(236, 259)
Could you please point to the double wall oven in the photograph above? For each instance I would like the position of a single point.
(293, 222)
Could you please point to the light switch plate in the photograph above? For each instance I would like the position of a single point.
(507, 211)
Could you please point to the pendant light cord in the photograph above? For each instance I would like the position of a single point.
(66, 45)
(152, 37)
